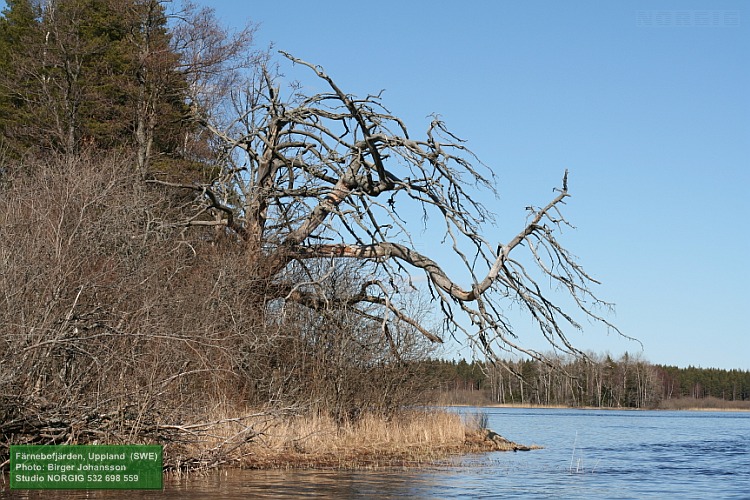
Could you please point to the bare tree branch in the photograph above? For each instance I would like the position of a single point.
(330, 176)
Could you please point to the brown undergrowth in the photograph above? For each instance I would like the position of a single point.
(261, 441)
(120, 327)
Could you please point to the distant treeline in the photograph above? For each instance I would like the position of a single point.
(627, 382)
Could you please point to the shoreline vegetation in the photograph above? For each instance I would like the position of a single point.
(681, 405)
(412, 438)
(481, 399)
(408, 439)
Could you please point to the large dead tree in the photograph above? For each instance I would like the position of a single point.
(330, 176)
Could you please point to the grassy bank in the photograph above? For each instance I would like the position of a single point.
(264, 441)
(704, 404)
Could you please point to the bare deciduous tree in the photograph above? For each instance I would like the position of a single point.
(332, 176)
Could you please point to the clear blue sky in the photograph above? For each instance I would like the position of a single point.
(646, 103)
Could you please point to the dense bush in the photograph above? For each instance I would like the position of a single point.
(115, 323)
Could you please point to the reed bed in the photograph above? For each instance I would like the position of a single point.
(265, 440)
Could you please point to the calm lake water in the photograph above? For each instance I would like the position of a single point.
(588, 454)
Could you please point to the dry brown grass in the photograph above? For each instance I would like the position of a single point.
(412, 438)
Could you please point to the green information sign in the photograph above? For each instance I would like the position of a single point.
(94, 467)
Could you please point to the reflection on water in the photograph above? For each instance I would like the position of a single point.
(587, 454)
(241, 484)
(390, 483)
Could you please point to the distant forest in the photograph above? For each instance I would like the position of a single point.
(626, 382)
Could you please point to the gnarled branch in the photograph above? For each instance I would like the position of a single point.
(330, 176)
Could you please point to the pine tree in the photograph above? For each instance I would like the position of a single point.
(82, 73)
(17, 25)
